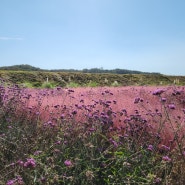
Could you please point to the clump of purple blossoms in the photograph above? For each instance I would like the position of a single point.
(30, 163)
(137, 100)
(10, 182)
(158, 92)
(171, 106)
(163, 99)
(164, 147)
(37, 152)
(166, 158)
(16, 181)
(68, 163)
(20, 163)
(150, 147)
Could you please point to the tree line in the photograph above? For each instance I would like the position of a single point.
(26, 67)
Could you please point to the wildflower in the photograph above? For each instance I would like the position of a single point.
(113, 142)
(68, 163)
(37, 152)
(74, 112)
(20, 163)
(49, 123)
(150, 147)
(70, 91)
(43, 179)
(171, 106)
(166, 158)
(176, 92)
(165, 147)
(92, 129)
(163, 99)
(62, 116)
(12, 164)
(137, 100)
(10, 182)
(16, 181)
(157, 180)
(58, 88)
(9, 126)
(19, 180)
(158, 92)
(56, 106)
(183, 153)
(114, 101)
(57, 142)
(30, 163)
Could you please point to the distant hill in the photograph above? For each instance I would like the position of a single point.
(26, 67)
(22, 67)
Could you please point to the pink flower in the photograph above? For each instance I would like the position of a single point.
(150, 147)
(166, 158)
(163, 99)
(137, 100)
(68, 163)
(30, 163)
(158, 92)
(171, 106)
(37, 152)
(10, 182)
(20, 163)
(165, 147)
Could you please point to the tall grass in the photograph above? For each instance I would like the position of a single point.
(89, 139)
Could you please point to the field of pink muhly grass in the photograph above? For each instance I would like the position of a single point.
(159, 108)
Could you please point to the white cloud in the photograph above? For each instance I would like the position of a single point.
(11, 38)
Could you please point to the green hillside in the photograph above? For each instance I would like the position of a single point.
(74, 79)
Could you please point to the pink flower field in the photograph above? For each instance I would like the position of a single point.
(155, 105)
(114, 125)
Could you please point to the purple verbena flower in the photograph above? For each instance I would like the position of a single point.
(37, 152)
(19, 180)
(163, 99)
(150, 147)
(165, 147)
(20, 163)
(68, 163)
(62, 116)
(171, 106)
(166, 158)
(113, 142)
(30, 163)
(58, 142)
(158, 92)
(183, 153)
(10, 182)
(157, 180)
(137, 100)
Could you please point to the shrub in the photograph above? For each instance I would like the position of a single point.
(72, 84)
(47, 85)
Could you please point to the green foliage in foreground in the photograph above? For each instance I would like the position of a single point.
(92, 158)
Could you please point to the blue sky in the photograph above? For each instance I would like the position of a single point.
(145, 35)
